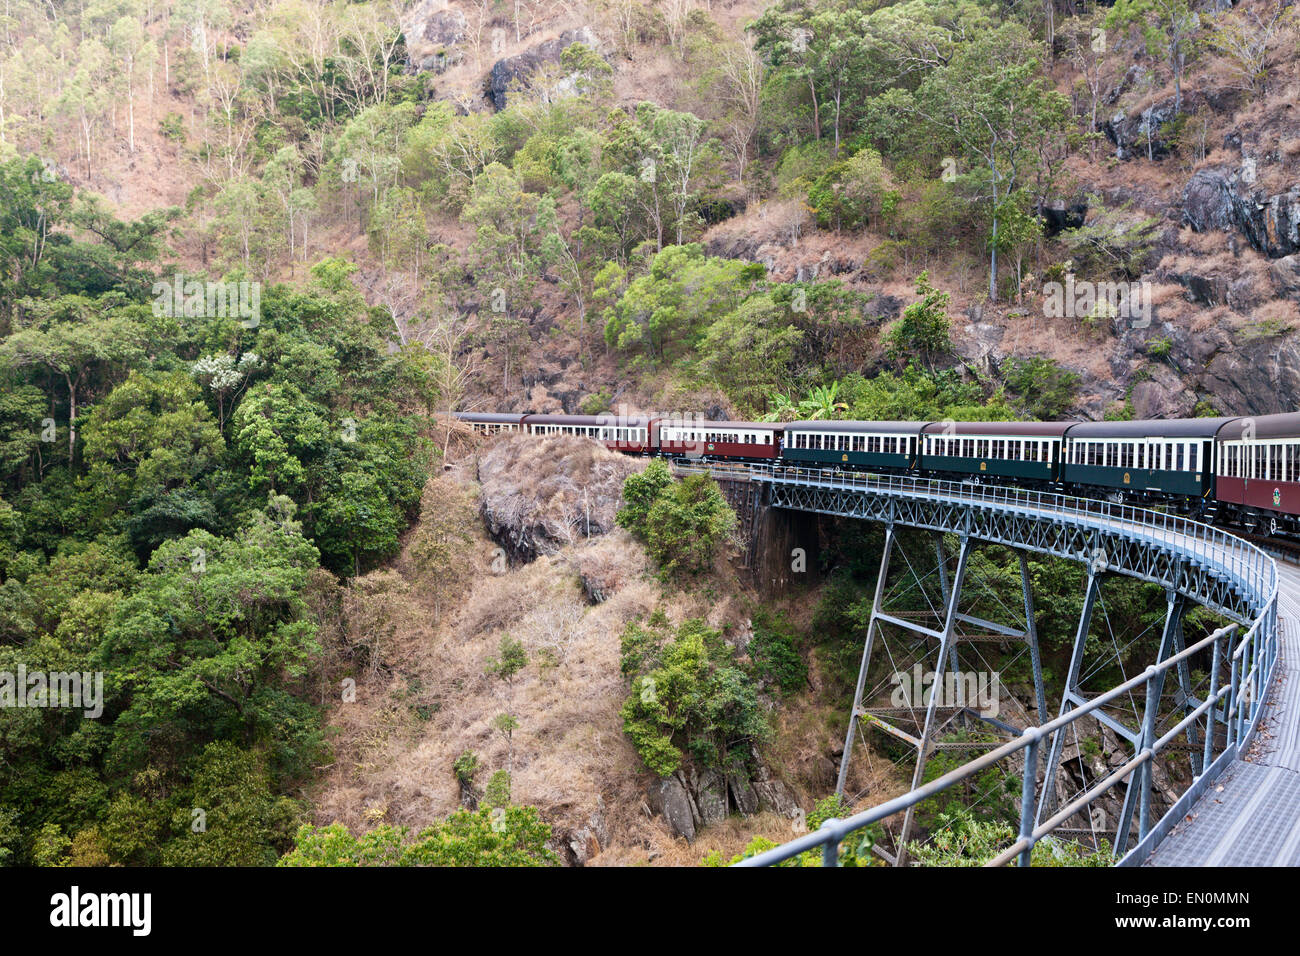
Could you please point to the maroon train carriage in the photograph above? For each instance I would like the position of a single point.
(1257, 471)
(629, 434)
(758, 441)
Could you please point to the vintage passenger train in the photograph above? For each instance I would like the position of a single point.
(1242, 470)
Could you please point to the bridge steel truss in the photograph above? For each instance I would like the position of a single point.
(1193, 562)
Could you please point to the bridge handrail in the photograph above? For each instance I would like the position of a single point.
(1251, 660)
(833, 831)
(1245, 562)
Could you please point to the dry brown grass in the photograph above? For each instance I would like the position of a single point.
(424, 693)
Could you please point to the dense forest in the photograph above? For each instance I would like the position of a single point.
(249, 252)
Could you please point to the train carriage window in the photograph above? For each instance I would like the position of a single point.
(1180, 452)
(1193, 452)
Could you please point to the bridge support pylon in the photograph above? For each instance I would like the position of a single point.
(926, 668)
(1138, 790)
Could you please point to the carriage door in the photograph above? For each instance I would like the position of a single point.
(1151, 450)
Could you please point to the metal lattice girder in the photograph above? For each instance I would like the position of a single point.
(936, 646)
(1238, 585)
(946, 657)
(1193, 561)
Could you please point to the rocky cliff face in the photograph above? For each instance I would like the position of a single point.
(1223, 199)
(541, 494)
(435, 33)
(509, 73)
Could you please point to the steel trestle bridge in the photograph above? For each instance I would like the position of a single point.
(1195, 563)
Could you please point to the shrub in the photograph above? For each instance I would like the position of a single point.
(512, 836)
(774, 655)
(923, 328)
(1046, 391)
(681, 522)
(497, 793)
(465, 767)
(689, 693)
(640, 492)
(963, 840)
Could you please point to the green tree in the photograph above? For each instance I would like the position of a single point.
(212, 639)
(989, 102)
(75, 339)
(683, 523)
(235, 818)
(688, 695)
(1168, 26)
(923, 329)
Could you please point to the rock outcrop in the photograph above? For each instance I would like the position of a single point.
(1216, 199)
(1285, 273)
(540, 495)
(508, 74)
(434, 32)
(1145, 133)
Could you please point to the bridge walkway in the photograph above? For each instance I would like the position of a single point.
(1251, 817)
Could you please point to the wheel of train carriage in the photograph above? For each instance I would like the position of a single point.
(1272, 526)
